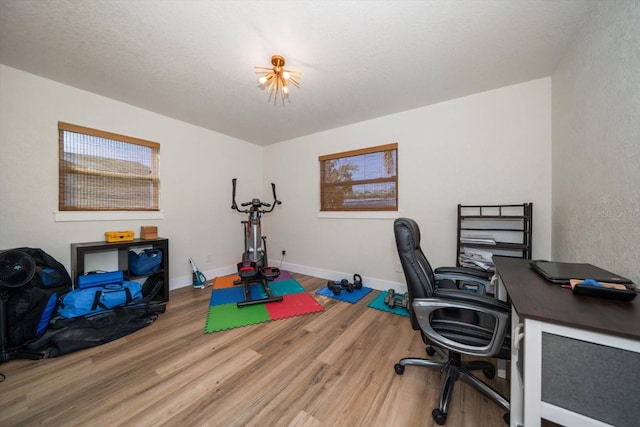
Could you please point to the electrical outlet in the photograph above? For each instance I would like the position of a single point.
(284, 252)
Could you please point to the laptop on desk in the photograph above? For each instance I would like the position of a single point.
(562, 272)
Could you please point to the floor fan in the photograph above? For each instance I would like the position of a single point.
(17, 268)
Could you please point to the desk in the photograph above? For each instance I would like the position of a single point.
(579, 357)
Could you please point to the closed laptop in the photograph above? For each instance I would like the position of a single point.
(562, 272)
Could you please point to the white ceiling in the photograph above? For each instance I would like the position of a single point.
(193, 60)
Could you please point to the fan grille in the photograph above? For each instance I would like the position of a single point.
(17, 268)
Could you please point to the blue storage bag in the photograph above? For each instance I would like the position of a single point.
(146, 262)
(81, 302)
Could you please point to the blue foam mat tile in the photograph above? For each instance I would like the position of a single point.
(256, 291)
(235, 294)
(350, 297)
(225, 296)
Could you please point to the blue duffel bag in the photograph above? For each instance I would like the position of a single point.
(81, 302)
(145, 262)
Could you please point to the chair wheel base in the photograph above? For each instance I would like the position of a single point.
(439, 416)
(489, 373)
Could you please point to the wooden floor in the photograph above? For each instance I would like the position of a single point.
(333, 368)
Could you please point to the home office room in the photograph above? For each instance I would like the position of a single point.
(349, 213)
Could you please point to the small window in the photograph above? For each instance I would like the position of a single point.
(103, 171)
(360, 180)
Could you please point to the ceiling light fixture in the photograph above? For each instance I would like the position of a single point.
(276, 79)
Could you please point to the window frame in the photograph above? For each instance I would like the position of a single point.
(324, 209)
(69, 210)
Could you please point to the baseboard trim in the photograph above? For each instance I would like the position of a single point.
(371, 282)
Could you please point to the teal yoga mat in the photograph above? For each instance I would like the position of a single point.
(379, 304)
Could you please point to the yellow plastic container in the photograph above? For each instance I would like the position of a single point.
(118, 236)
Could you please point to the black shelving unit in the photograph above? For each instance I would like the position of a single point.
(80, 250)
(497, 229)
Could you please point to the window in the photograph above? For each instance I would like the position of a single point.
(102, 171)
(360, 180)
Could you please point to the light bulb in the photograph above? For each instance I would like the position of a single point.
(285, 90)
(285, 75)
(262, 80)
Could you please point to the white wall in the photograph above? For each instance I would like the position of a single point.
(197, 166)
(489, 148)
(492, 147)
(596, 143)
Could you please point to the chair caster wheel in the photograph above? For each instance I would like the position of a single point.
(439, 416)
(399, 369)
(489, 373)
(507, 417)
(430, 351)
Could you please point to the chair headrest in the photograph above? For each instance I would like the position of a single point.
(413, 229)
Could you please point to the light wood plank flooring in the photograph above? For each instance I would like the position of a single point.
(333, 368)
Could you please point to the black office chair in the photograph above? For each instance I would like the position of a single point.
(452, 320)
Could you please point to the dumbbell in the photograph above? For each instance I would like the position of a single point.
(335, 287)
(357, 281)
(390, 298)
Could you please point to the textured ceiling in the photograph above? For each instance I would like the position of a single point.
(193, 60)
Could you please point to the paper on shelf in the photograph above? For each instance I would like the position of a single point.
(478, 254)
(486, 239)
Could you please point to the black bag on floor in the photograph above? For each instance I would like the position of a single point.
(30, 307)
(69, 335)
(152, 286)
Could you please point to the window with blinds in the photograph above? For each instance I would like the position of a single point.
(103, 171)
(360, 180)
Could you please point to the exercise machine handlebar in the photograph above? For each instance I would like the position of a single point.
(255, 204)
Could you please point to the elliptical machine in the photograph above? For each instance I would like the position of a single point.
(253, 267)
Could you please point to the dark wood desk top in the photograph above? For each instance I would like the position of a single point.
(535, 298)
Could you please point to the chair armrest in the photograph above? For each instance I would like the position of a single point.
(481, 300)
(464, 271)
(463, 274)
(423, 309)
